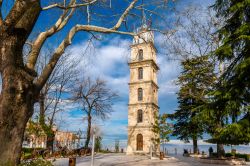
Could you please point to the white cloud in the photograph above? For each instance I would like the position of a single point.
(120, 111)
(186, 3)
(67, 121)
(168, 87)
(109, 62)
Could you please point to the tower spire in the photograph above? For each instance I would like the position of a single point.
(144, 22)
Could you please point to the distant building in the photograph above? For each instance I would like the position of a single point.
(143, 94)
(65, 138)
(35, 137)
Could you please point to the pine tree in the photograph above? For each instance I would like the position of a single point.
(232, 95)
(195, 82)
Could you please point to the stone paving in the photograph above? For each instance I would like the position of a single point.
(124, 160)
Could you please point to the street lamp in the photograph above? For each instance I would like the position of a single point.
(93, 145)
(151, 151)
(93, 148)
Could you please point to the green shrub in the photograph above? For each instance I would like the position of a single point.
(238, 155)
(36, 162)
(30, 150)
(27, 156)
(27, 153)
(244, 156)
(228, 155)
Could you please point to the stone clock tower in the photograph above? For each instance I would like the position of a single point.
(143, 94)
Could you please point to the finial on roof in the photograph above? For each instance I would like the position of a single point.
(144, 20)
(143, 14)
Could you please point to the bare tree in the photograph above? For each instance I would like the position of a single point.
(21, 83)
(51, 96)
(95, 100)
(194, 34)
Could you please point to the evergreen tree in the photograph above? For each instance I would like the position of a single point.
(98, 144)
(195, 82)
(117, 146)
(232, 95)
(214, 116)
(162, 129)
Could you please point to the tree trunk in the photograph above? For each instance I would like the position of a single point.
(16, 104)
(88, 132)
(18, 92)
(220, 150)
(50, 142)
(195, 145)
(220, 147)
(14, 116)
(46, 128)
(42, 110)
(16, 107)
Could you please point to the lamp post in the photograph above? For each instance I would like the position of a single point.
(93, 148)
(151, 151)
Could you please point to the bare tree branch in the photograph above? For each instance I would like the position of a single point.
(95, 99)
(65, 43)
(42, 37)
(125, 13)
(193, 37)
(61, 79)
(62, 21)
(56, 5)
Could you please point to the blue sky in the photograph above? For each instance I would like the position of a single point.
(109, 62)
(107, 59)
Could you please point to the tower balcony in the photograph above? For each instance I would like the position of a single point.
(137, 63)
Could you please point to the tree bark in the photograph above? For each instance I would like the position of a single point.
(195, 145)
(42, 110)
(50, 142)
(88, 131)
(16, 102)
(14, 116)
(220, 150)
(18, 91)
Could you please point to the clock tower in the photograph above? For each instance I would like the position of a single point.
(143, 94)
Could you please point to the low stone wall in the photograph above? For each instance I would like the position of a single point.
(222, 161)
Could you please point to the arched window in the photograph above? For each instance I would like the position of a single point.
(140, 55)
(139, 142)
(140, 94)
(140, 73)
(139, 116)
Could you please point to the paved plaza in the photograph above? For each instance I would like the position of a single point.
(124, 160)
